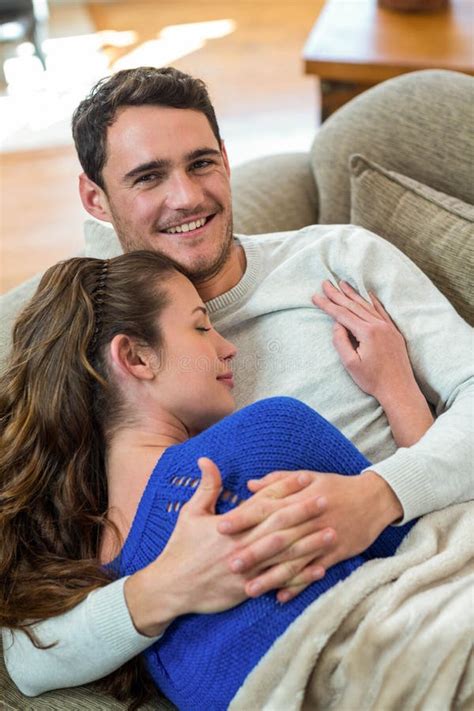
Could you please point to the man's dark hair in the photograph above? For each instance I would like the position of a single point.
(165, 86)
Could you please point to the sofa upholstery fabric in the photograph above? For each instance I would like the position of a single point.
(274, 194)
(82, 698)
(435, 230)
(419, 124)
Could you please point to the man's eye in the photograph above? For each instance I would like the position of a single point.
(147, 178)
(201, 164)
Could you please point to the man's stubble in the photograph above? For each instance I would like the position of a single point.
(202, 270)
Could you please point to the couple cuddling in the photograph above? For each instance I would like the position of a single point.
(118, 434)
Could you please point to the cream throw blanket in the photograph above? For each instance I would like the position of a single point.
(397, 634)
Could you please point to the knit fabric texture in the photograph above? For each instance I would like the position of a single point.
(202, 660)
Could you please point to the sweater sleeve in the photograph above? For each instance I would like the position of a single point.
(94, 638)
(437, 471)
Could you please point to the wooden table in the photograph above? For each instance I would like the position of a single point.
(355, 44)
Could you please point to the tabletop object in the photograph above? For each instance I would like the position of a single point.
(356, 44)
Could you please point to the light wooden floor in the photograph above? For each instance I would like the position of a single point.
(255, 76)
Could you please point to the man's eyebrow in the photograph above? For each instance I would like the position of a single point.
(151, 165)
(200, 308)
(163, 164)
(200, 152)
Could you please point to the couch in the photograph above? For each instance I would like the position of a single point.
(398, 160)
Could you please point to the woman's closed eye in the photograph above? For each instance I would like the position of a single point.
(202, 328)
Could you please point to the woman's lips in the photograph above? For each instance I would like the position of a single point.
(227, 380)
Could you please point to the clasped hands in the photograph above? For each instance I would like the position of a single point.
(299, 524)
(294, 527)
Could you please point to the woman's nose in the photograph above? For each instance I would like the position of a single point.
(225, 349)
(232, 351)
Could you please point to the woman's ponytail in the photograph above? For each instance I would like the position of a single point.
(52, 452)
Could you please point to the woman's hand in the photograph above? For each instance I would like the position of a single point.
(375, 354)
(369, 344)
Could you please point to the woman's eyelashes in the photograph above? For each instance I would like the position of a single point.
(203, 328)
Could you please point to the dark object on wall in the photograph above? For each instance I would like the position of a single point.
(29, 28)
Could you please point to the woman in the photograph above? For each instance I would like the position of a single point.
(116, 386)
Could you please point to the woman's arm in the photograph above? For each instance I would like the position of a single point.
(374, 353)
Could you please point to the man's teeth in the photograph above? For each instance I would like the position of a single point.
(187, 227)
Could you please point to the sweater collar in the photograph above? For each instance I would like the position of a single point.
(248, 282)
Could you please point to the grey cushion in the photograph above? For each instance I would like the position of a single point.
(419, 124)
(434, 229)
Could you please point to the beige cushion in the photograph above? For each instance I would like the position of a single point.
(435, 230)
(274, 194)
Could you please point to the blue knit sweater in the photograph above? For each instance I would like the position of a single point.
(202, 660)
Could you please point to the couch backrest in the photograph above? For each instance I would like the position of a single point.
(419, 124)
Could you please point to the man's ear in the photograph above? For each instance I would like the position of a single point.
(225, 159)
(130, 359)
(94, 199)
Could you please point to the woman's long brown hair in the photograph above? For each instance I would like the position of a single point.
(57, 407)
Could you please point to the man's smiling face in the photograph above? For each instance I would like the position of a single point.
(167, 187)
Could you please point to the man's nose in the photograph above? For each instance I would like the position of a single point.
(184, 192)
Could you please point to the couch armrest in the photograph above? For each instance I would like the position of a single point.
(418, 124)
(274, 194)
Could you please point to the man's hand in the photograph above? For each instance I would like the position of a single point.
(192, 573)
(350, 514)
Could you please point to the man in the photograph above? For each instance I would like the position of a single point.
(156, 167)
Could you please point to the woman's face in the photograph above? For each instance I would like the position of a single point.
(194, 380)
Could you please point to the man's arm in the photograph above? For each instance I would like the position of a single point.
(437, 470)
(94, 638)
